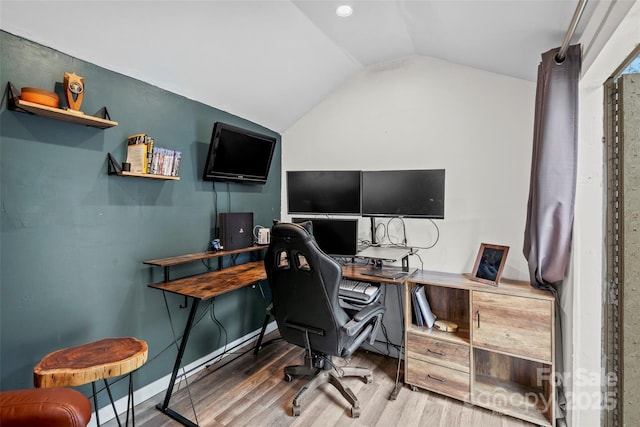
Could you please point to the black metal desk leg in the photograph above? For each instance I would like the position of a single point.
(164, 407)
(398, 385)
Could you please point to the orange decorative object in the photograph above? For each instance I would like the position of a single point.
(40, 96)
(74, 90)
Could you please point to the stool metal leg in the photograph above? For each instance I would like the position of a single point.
(95, 402)
(113, 405)
(130, 402)
(130, 399)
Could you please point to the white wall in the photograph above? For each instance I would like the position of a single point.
(424, 113)
(586, 273)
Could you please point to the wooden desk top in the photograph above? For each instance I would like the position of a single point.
(212, 284)
(208, 285)
(82, 364)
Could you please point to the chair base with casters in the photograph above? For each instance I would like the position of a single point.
(323, 371)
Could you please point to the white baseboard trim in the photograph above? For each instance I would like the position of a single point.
(150, 390)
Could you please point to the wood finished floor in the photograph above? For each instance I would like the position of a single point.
(251, 391)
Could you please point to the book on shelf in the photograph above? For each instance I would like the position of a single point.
(137, 157)
(167, 166)
(428, 317)
(139, 138)
(176, 163)
(417, 314)
(150, 143)
(146, 157)
(165, 161)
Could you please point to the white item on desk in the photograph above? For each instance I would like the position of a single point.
(386, 253)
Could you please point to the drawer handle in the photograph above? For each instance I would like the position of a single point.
(478, 318)
(439, 353)
(433, 377)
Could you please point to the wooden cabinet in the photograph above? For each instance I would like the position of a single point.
(502, 355)
(512, 324)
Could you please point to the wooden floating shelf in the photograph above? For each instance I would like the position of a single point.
(148, 175)
(63, 115)
(114, 168)
(183, 259)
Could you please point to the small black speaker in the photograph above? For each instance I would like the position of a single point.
(236, 230)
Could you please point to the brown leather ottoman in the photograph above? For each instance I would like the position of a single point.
(51, 407)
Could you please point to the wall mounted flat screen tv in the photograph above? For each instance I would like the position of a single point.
(239, 155)
(336, 237)
(323, 192)
(403, 193)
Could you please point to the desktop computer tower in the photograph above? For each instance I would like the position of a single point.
(236, 230)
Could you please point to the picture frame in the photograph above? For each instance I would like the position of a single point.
(489, 264)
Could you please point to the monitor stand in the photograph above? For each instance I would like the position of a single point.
(377, 264)
(377, 270)
(373, 230)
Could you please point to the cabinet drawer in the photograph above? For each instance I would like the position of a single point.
(515, 325)
(439, 379)
(442, 353)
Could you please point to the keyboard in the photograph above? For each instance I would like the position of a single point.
(361, 291)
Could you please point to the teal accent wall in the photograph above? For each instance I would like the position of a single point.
(74, 238)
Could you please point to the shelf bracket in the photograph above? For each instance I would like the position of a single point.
(166, 275)
(114, 166)
(12, 94)
(102, 114)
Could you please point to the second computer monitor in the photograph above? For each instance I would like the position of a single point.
(403, 193)
(336, 237)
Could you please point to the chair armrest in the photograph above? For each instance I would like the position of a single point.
(362, 318)
(368, 312)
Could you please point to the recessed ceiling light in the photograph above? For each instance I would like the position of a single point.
(344, 11)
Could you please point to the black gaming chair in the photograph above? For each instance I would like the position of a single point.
(305, 283)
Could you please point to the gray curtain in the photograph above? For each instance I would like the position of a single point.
(552, 189)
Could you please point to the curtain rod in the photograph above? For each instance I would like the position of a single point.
(572, 28)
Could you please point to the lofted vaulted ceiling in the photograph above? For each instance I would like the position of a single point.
(271, 61)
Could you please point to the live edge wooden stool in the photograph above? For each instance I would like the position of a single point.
(88, 363)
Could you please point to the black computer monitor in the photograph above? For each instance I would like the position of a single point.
(336, 237)
(239, 155)
(403, 193)
(323, 192)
